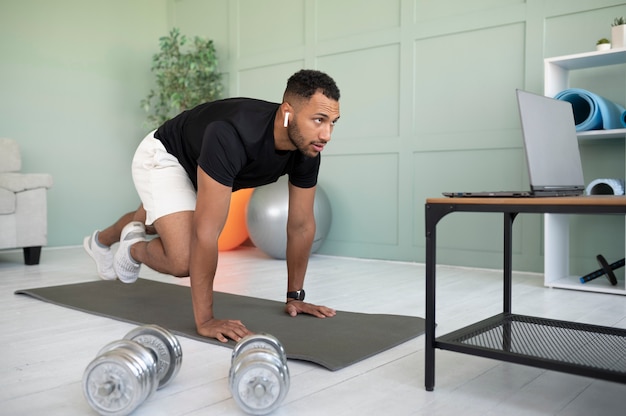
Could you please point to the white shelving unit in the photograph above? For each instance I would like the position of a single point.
(556, 235)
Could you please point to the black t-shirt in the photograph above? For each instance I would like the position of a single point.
(232, 141)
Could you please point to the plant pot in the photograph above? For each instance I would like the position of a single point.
(618, 36)
(603, 47)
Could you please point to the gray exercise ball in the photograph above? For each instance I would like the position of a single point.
(266, 218)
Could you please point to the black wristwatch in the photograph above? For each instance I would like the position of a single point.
(297, 295)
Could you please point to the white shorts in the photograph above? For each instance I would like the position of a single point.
(161, 182)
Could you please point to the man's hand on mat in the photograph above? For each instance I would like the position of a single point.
(295, 307)
(221, 330)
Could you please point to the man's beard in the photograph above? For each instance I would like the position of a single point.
(296, 138)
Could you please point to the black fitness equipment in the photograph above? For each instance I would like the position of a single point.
(605, 269)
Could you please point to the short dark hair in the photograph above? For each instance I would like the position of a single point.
(307, 82)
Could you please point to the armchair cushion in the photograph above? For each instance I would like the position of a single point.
(19, 182)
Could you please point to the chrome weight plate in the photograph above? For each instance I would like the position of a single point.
(263, 341)
(165, 347)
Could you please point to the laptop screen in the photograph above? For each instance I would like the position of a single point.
(550, 143)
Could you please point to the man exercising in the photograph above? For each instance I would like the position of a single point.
(185, 172)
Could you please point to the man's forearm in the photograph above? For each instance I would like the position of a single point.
(299, 245)
(202, 267)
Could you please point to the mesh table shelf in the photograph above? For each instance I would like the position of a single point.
(569, 347)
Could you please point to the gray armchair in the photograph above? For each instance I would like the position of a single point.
(23, 204)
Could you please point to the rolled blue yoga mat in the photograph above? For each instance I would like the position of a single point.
(593, 112)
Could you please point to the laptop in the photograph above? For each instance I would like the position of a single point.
(551, 147)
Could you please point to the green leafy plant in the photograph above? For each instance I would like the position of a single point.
(619, 21)
(185, 77)
(603, 40)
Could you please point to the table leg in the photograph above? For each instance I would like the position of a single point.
(433, 215)
(507, 271)
(507, 268)
(429, 347)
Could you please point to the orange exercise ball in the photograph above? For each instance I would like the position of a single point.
(235, 230)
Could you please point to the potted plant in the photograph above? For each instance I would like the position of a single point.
(603, 44)
(184, 77)
(618, 32)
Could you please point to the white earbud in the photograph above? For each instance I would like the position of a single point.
(286, 121)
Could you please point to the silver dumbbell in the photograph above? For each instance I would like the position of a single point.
(259, 375)
(126, 372)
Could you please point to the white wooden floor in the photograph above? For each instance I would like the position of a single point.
(45, 348)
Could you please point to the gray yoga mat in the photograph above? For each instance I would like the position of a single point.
(333, 343)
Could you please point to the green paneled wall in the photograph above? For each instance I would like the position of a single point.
(72, 73)
(428, 105)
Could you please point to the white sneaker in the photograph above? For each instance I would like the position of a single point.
(103, 256)
(126, 268)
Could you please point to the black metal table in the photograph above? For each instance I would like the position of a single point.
(583, 349)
